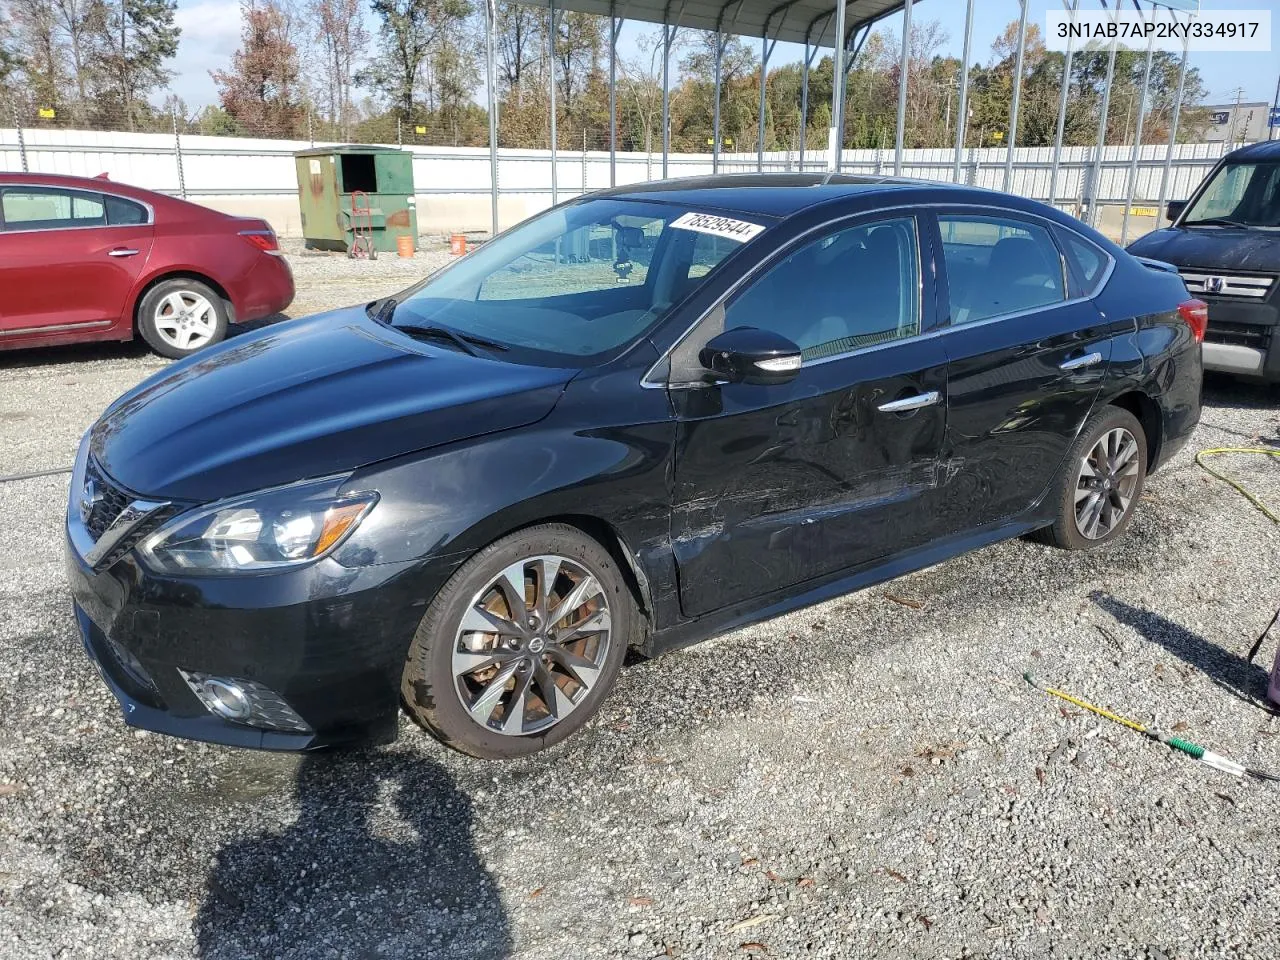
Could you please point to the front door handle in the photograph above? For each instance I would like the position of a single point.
(911, 403)
(122, 252)
(1079, 363)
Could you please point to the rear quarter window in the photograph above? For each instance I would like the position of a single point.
(1088, 263)
(122, 212)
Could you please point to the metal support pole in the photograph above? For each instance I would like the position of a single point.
(804, 98)
(835, 135)
(177, 156)
(1173, 133)
(852, 49)
(904, 68)
(1063, 94)
(552, 27)
(962, 118)
(1096, 177)
(715, 111)
(399, 134)
(615, 27)
(666, 93)
(1017, 92)
(766, 50)
(1137, 146)
(491, 94)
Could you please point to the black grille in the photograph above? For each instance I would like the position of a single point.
(110, 500)
(1239, 334)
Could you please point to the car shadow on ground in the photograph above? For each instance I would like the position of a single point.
(1232, 672)
(378, 863)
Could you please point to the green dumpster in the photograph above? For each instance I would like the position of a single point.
(331, 178)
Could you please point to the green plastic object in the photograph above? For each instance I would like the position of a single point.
(1187, 747)
(331, 181)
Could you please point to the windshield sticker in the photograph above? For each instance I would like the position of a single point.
(739, 230)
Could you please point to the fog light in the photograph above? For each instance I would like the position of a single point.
(226, 698)
(244, 701)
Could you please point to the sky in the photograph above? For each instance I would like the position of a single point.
(211, 34)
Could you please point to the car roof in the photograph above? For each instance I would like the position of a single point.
(96, 184)
(1262, 150)
(781, 194)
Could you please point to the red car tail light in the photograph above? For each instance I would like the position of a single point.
(1196, 313)
(263, 239)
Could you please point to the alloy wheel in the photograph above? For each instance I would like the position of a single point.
(186, 320)
(531, 645)
(1106, 483)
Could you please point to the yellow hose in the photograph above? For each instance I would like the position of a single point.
(1236, 484)
(1086, 705)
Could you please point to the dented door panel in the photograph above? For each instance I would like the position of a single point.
(1014, 411)
(776, 485)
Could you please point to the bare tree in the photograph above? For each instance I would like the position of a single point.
(81, 21)
(520, 32)
(39, 46)
(339, 29)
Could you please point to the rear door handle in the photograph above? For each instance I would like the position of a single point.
(1079, 363)
(911, 403)
(122, 252)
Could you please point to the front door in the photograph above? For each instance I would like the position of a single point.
(1028, 355)
(68, 258)
(775, 485)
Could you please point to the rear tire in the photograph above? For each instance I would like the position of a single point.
(181, 316)
(1101, 481)
(520, 647)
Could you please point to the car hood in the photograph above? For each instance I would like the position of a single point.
(306, 399)
(1213, 248)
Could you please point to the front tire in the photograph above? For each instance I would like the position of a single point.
(520, 647)
(180, 316)
(1101, 482)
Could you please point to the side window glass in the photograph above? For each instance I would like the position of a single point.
(121, 212)
(854, 288)
(997, 266)
(1089, 262)
(48, 209)
(87, 210)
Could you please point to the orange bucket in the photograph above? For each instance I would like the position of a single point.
(404, 246)
(457, 244)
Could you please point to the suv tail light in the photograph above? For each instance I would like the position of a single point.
(1196, 313)
(264, 238)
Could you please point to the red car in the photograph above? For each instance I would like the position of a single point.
(87, 259)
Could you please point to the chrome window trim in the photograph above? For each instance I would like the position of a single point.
(6, 228)
(648, 381)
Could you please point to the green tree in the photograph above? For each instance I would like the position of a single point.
(135, 42)
(408, 34)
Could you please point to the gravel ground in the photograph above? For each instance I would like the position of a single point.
(863, 778)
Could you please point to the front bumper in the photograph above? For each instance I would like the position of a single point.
(329, 640)
(1242, 338)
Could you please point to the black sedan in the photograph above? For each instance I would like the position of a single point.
(637, 420)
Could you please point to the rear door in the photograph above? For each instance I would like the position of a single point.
(775, 485)
(1027, 353)
(68, 258)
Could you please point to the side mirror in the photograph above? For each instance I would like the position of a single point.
(1173, 209)
(749, 355)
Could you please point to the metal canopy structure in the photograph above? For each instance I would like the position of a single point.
(813, 23)
(842, 27)
(792, 21)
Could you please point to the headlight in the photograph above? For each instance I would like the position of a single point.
(283, 527)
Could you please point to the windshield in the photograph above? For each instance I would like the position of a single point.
(1246, 194)
(577, 282)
